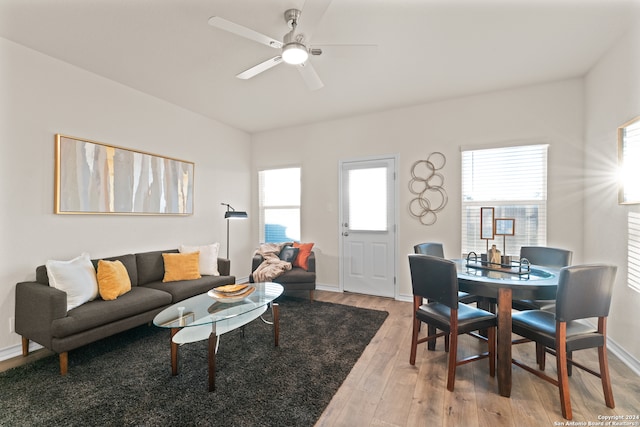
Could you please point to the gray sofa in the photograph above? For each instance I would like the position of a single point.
(296, 279)
(41, 310)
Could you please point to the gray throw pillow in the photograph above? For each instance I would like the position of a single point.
(289, 253)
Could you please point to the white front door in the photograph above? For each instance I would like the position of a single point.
(367, 226)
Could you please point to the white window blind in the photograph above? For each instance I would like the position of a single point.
(279, 205)
(513, 180)
(633, 251)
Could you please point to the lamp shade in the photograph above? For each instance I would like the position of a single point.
(235, 214)
(230, 214)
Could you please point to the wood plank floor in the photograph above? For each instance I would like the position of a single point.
(383, 389)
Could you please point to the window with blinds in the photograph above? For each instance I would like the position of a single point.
(633, 251)
(279, 205)
(513, 180)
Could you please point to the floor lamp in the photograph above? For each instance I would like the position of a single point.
(231, 213)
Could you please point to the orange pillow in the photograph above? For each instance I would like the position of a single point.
(302, 260)
(181, 266)
(113, 279)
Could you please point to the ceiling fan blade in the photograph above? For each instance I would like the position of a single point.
(312, 13)
(310, 76)
(356, 51)
(232, 27)
(257, 69)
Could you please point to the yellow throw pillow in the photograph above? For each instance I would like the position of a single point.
(181, 266)
(113, 279)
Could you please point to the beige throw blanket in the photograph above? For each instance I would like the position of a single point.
(272, 266)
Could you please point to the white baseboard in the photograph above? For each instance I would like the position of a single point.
(336, 288)
(624, 356)
(405, 298)
(328, 288)
(16, 350)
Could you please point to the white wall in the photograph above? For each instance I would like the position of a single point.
(41, 96)
(612, 98)
(550, 113)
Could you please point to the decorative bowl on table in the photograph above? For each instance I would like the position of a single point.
(231, 293)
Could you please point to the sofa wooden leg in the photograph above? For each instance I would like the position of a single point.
(311, 295)
(25, 346)
(64, 363)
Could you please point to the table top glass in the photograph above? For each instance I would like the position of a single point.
(536, 273)
(205, 310)
(540, 283)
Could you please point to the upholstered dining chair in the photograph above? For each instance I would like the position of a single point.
(435, 279)
(437, 250)
(544, 256)
(584, 291)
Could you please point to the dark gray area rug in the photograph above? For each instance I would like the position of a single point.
(125, 380)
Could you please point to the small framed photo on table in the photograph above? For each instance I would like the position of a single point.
(505, 226)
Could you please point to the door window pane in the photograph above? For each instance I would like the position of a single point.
(368, 202)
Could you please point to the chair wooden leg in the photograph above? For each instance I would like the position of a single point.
(25, 346)
(540, 356)
(64, 363)
(569, 365)
(453, 350)
(417, 301)
(604, 376)
(561, 362)
(604, 365)
(431, 344)
(414, 340)
(446, 343)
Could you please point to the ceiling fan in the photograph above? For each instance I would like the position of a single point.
(294, 48)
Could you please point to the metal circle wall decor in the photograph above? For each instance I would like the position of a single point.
(428, 186)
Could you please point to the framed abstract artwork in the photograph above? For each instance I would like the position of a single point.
(96, 178)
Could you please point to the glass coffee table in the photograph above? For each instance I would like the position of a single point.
(207, 316)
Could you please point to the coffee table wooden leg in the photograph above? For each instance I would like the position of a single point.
(504, 341)
(213, 339)
(275, 308)
(174, 352)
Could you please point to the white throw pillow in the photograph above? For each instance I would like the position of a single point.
(208, 257)
(76, 277)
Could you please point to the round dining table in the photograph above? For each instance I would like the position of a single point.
(502, 286)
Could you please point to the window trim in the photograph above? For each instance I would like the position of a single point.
(541, 205)
(262, 207)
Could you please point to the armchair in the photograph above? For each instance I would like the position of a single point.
(296, 279)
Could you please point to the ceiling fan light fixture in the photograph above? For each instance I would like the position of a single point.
(294, 53)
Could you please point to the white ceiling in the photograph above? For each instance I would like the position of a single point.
(426, 50)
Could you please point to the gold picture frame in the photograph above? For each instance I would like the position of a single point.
(629, 162)
(96, 178)
(505, 226)
(487, 226)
